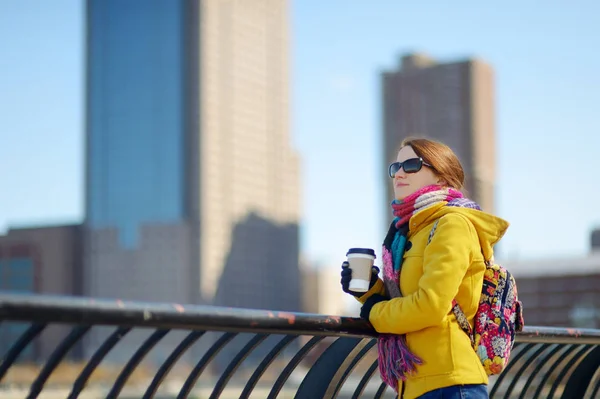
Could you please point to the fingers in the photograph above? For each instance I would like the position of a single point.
(346, 271)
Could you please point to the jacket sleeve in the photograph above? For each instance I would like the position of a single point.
(378, 288)
(445, 262)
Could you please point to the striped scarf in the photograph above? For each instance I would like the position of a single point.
(396, 361)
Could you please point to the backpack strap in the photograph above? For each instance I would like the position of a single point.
(462, 320)
(432, 231)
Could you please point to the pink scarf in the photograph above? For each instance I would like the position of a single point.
(422, 199)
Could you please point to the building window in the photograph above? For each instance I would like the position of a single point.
(16, 274)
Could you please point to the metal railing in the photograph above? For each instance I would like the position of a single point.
(148, 350)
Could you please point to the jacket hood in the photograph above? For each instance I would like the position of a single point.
(490, 228)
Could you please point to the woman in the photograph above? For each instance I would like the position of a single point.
(423, 353)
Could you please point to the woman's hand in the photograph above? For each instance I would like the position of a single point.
(347, 276)
(365, 310)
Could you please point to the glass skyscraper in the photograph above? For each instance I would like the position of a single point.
(189, 166)
(136, 128)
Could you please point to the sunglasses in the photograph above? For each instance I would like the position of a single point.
(412, 165)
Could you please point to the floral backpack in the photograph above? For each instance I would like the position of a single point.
(499, 317)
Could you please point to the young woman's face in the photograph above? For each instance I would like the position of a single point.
(418, 176)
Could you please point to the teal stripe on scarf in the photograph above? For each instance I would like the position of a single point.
(398, 246)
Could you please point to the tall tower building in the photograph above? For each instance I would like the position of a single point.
(450, 102)
(190, 172)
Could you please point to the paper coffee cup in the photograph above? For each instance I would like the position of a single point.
(360, 261)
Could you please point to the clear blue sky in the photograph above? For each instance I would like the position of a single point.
(546, 61)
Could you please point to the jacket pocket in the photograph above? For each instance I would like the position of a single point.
(434, 346)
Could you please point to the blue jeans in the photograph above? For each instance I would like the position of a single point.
(458, 392)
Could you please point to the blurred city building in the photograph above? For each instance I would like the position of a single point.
(561, 292)
(192, 189)
(452, 102)
(321, 292)
(41, 260)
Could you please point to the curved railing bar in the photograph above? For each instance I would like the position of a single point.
(524, 366)
(326, 373)
(203, 362)
(55, 358)
(164, 369)
(544, 360)
(95, 360)
(291, 366)
(235, 363)
(582, 376)
(134, 362)
(567, 368)
(513, 361)
(596, 387)
(360, 388)
(18, 347)
(264, 364)
(382, 388)
(560, 359)
(353, 362)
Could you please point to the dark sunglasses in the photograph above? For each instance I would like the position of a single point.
(412, 165)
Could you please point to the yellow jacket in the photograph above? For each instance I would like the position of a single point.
(432, 275)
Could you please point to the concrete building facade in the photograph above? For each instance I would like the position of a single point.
(452, 102)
